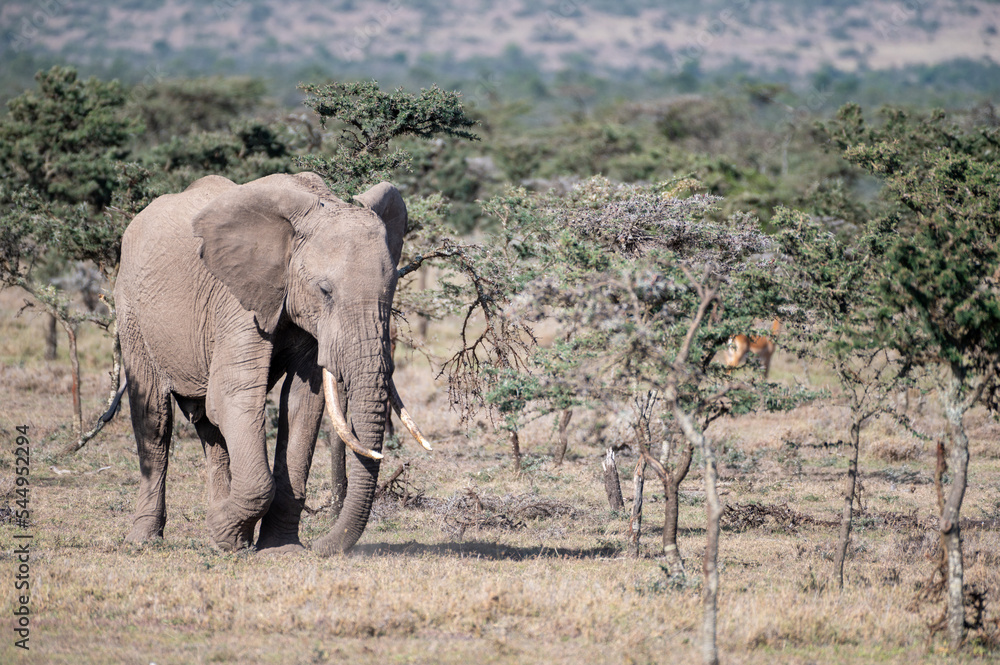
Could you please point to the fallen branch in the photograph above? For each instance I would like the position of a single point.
(384, 486)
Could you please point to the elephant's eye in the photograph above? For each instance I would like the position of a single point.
(325, 288)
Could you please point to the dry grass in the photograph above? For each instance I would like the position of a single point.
(466, 561)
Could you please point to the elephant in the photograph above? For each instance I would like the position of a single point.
(222, 290)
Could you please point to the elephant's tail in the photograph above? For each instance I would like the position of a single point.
(115, 404)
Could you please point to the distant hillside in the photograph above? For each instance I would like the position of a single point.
(609, 34)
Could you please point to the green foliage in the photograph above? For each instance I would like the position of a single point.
(369, 120)
(63, 138)
(18, 250)
(62, 143)
(755, 154)
(628, 272)
(250, 149)
(58, 147)
(829, 282)
(510, 392)
(941, 237)
(828, 289)
(441, 167)
(175, 107)
(939, 282)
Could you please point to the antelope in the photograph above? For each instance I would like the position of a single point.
(739, 345)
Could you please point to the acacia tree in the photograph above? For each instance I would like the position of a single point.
(832, 289)
(938, 283)
(635, 276)
(368, 120)
(58, 147)
(642, 288)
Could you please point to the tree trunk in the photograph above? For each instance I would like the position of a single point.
(564, 419)
(710, 653)
(671, 487)
(116, 355)
(515, 449)
(612, 486)
(954, 409)
(848, 512)
(956, 597)
(422, 321)
(74, 359)
(51, 338)
(635, 524)
(713, 508)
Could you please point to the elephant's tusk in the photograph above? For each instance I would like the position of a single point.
(339, 421)
(397, 406)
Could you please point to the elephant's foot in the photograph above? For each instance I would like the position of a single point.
(228, 534)
(272, 550)
(272, 538)
(145, 530)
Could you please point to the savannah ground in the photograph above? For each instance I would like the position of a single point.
(457, 565)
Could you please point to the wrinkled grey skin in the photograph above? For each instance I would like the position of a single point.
(223, 289)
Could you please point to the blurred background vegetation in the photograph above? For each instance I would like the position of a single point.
(727, 91)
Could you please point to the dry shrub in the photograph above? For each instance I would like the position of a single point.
(897, 521)
(895, 450)
(398, 492)
(744, 516)
(470, 509)
(398, 487)
(920, 546)
(883, 440)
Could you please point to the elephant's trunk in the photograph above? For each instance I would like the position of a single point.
(366, 380)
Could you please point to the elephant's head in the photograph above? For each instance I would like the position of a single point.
(288, 248)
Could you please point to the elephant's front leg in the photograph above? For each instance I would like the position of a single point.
(299, 416)
(231, 521)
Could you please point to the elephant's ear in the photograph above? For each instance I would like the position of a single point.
(385, 200)
(247, 243)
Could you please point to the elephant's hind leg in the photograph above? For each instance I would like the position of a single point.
(299, 416)
(152, 422)
(214, 446)
(217, 456)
